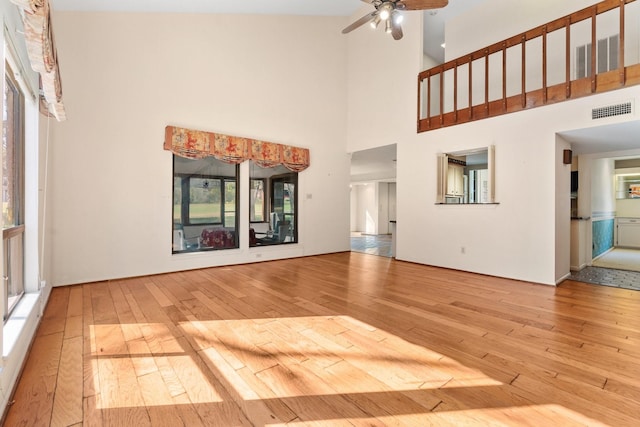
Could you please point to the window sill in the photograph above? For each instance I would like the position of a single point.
(14, 326)
(468, 204)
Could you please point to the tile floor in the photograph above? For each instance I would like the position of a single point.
(608, 277)
(371, 244)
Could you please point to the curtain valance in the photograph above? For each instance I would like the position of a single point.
(195, 144)
(42, 52)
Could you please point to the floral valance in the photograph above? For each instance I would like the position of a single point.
(42, 52)
(195, 144)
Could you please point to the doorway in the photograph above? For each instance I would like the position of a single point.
(373, 200)
(604, 157)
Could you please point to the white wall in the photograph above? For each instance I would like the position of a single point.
(127, 76)
(563, 212)
(365, 208)
(353, 208)
(373, 205)
(603, 202)
(382, 199)
(516, 238)
(392, 201)
(629, 208)
(382, 91)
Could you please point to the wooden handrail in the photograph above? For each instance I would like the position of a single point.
(615, 78)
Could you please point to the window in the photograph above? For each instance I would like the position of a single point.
(466, 177)
(257, 199)
(205, 195)
(274, 196)
(12, 191)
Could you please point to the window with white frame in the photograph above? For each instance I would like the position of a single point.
(13, 200)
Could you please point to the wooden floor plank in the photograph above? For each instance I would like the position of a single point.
(32, 403)
(68, 400)
(339, 339)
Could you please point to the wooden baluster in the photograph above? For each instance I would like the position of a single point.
(504, 76)
(470, 87)
(455, 92)
(419, 110)
(429, 99)
(568, 58)
(593, 48)
(544, 64)
(486, 82)
(523, 42)
(621, 39)
(442, 96)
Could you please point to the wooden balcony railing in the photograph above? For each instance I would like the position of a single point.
(594, 50)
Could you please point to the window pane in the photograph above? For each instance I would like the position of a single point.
(204, 204)
(257, 200)
(289, 197)
(13, 268)
(229, 203)
(273, 198)
(11, 155)
(12, 192)
(205, 201)
(177, 200)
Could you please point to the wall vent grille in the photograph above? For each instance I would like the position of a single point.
(611, 110)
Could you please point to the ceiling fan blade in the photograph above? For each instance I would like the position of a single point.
(366, 18)
(396, 29)
(423, 4)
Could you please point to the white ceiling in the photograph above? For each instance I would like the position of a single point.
(604, 139)
(274, 7)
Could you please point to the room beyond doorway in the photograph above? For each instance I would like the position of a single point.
(371, 244)
(619, 259)
(620, 268)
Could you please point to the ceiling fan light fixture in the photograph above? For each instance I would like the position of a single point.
(398, 18)
(385, 10)
(375, 22)
(387, 26)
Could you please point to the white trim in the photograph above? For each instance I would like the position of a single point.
(19, 70)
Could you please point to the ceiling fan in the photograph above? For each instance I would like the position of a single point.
(389, 12)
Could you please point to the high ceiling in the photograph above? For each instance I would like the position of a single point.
(274, 7)
(606, 138)
(433, 23)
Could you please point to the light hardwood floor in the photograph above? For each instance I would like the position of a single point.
(341, 339)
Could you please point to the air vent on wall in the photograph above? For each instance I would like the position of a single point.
(611, 110)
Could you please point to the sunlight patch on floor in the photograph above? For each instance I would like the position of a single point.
(534, 416)
(324, 355)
